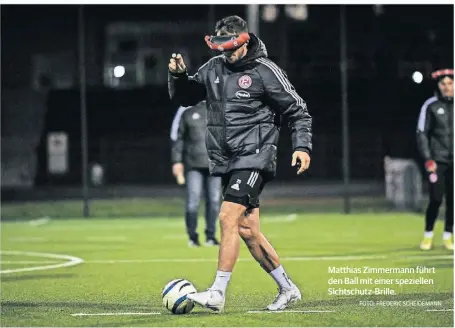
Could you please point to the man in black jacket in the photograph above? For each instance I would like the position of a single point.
(435, 143)
(189, 159)
(246, 95)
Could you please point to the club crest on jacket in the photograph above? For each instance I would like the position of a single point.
(433, 177)
(245, 82)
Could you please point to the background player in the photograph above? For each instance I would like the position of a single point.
(190, 160)
(435, 143)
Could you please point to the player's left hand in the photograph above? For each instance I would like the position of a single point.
(303, 159)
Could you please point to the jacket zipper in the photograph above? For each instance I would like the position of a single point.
(258, 146)
(223, 105)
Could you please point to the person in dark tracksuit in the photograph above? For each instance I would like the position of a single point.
(246, 94)
(190, 164)
(435, 144)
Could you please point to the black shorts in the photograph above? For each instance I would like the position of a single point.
(243, 187)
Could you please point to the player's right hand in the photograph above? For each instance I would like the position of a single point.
(430, 165)
(302, 160)
(176, 64)
(178, 172)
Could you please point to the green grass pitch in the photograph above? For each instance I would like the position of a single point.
(127, 262)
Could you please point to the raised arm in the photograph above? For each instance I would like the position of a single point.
(183, 89)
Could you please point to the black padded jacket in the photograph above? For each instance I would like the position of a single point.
(435, 130)
(188, 137)
(245, 101)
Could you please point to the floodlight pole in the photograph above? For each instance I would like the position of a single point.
(253, 18)
(344, 108)
(211, 18)
(83, 105)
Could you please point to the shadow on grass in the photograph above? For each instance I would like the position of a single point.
(78, 305)
(304, 305)
(192, 319)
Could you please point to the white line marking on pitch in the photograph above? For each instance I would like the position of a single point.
(437, 257)
(151, 261)
(40, 221)
(114, 313)
(280, 218)
(442, 310)
(302, 258)
(29, 262)
(294, 311)
(190, 260)
(89, 238)
(28, 239)
(71, 261)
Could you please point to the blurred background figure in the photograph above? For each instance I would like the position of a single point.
(435, 143)
(190, 165)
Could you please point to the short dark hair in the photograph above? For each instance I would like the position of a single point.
(231, 24)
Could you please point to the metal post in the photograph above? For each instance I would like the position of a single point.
(253, 18)
(211, 18)
(283, 19)
(344, 107)
(83, 104)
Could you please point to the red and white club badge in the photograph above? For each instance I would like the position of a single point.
(433, 177)
(245, 82)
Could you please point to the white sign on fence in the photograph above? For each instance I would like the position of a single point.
(403, 183)
(57, 152)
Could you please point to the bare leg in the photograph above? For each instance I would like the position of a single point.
(228, 254)
(261, 249)
(234, 223)
(230, 214)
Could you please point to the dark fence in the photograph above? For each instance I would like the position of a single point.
(128, 131)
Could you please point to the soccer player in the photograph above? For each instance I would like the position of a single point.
(246, 95)
(189, 159)
(435, 143)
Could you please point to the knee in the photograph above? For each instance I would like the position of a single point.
(192, 205)
(227, 222)
(213, 201)
(248, 234)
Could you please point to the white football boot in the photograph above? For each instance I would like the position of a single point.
(284, 298)
(211, 299)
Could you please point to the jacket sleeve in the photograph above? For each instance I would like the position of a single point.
(423, 129)
(187, 90)
(284, 99)
(177, 136)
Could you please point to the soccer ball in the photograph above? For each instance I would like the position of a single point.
(174, 296)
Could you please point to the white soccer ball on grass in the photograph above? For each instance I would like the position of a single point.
(174, 296)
